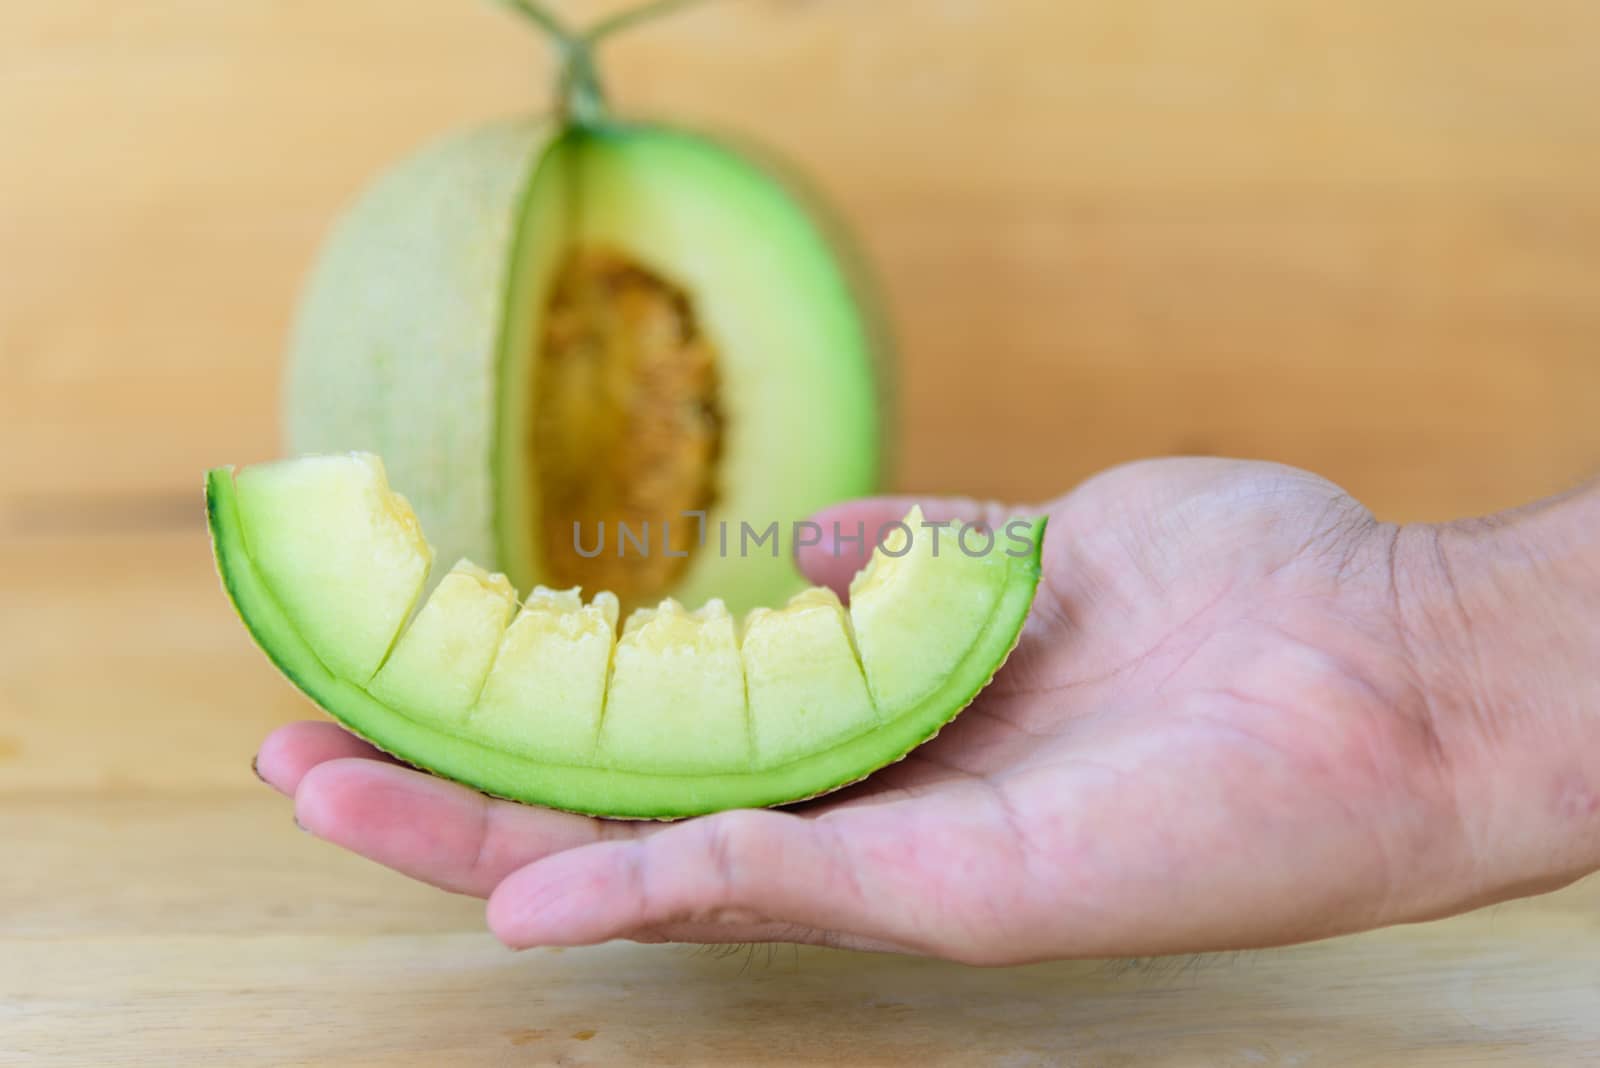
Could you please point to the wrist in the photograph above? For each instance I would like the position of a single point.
(1504, 618)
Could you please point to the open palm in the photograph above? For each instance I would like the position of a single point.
(1209, 736)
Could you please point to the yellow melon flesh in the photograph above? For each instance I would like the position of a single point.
(676, 702)
(441, 659)
(545, 695)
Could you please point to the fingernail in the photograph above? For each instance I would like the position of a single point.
(256, 770)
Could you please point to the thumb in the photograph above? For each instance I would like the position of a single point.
(850, 531)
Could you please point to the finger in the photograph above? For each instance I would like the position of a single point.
(434, 830)
(851, 530)
(737, 874)
(291, 751)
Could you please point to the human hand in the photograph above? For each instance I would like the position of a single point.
(1223, 727)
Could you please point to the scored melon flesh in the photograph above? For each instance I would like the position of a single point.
(916, 607)
(681, 714)
(802, 679)
(676, 700)
(548, 686)
(439, 664)
(340, 549)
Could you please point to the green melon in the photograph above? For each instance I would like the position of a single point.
(550, 327)
(681, 712)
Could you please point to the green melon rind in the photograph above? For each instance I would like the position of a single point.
(861, 278)
(605, 791)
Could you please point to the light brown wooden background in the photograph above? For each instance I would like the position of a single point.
(1360, 237)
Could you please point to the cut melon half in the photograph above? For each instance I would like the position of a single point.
(680, 712)
(547, 330)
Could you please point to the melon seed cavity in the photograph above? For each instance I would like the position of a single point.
(627, 425)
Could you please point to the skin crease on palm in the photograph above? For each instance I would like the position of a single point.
(1242, 713)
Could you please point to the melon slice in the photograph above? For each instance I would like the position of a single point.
(683, 712)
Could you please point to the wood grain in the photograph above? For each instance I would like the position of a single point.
(1361, 238)
(122, 670)
(1513, 988)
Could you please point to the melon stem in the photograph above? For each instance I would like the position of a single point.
(582, 97)
(545, 19)
(580, 94)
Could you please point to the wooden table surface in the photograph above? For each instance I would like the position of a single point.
(1363, 238)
